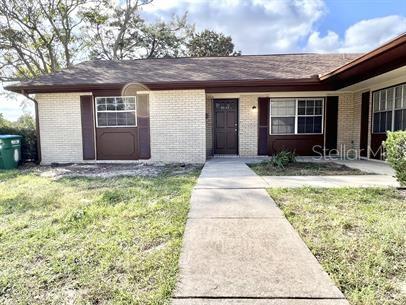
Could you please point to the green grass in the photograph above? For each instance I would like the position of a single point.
(91, 241)
(304, 169)
(358, 235)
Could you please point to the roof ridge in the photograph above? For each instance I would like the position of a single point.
(219, 57)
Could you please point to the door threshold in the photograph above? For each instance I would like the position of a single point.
(226, 156)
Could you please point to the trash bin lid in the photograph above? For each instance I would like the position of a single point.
(9, 136)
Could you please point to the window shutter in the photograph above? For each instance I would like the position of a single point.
(86, 108)
(143, 126)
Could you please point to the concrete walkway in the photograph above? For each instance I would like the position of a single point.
(368, 166)
(240, 249)
(331, 181)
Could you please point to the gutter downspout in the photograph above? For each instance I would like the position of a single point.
(36, 126)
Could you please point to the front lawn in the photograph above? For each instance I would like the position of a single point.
(358, 235)
(91, 240)
(304, 169)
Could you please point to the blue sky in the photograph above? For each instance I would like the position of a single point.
(344, 13)
(285, 26)
(282, 26)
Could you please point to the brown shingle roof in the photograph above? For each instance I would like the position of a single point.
(248, 67)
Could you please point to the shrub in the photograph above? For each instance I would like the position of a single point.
(283, 158)
(395, 152)
(24, 127)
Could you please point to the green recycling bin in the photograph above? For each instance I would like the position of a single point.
(10, 151)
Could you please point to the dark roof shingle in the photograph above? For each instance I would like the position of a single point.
(248, 67)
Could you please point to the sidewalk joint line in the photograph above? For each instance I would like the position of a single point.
(257, 298)
(237, 217)
(231, 188)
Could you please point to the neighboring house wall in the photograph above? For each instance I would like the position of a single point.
(60, 127)
(248, 126)
(178, 126)
(376, 83)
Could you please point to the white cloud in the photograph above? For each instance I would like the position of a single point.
(362, 36)
(330, 42)
(256, 26)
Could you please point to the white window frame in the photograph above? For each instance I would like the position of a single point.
(115, 111)
(296, 116)
(403, 103)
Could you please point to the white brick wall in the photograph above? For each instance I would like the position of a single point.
(60, 127)
(178, 126)
(248, 126)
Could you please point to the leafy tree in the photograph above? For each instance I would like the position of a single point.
(25, 121)
(113, 29)
(4, 123)
(39, 36)
(166, 39)
(119, 32)
(24, 126)
(210, 43)
(44, 36)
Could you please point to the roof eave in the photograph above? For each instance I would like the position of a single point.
(211, 86)
(383, 59)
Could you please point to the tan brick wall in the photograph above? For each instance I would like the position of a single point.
(248, 126)
(209, 126)
(60, 127)
(178, 126)
(349, 121)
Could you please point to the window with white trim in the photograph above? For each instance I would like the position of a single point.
(116, 111)
(309, 116)
(389, 107)
(296, 116)
(283, 113)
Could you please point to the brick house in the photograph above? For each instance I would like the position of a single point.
(188, 109)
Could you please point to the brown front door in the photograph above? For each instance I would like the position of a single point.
(364, 124)
(226, 126)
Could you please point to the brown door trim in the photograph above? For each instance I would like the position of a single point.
(364, 124)
(331, 123)
(234, 148)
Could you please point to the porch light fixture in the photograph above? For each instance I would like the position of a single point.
(254, 108)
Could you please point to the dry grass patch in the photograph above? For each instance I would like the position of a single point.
(91, 240)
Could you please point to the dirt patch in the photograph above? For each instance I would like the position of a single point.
(402, 193)
(305, 169)
(104, 170)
